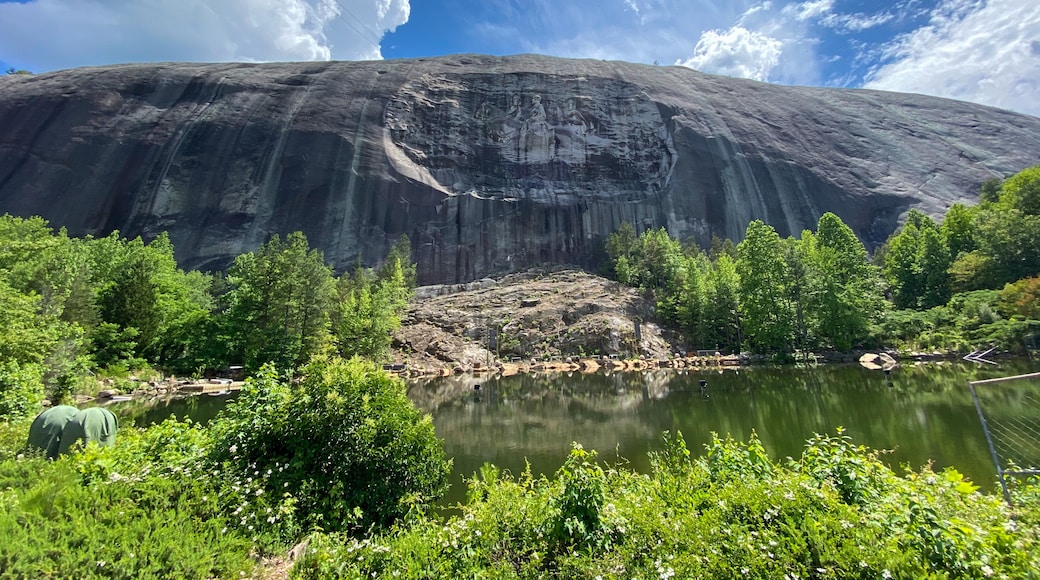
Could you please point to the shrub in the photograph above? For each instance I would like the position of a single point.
(131, 511)
(20, 389)
(727, 517)
(344, 444)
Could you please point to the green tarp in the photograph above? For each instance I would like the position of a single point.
(93, 424)
(45, 431)
(57, 429)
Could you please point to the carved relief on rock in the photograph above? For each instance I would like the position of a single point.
(528, 137)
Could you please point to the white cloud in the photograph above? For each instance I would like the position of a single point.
(90, 32)
(856, 22)
(970, 50)
(809, 10)
(735, 52)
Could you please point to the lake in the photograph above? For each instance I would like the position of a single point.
(920, 412)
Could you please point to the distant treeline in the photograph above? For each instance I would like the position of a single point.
(967, 283)
(74, 307)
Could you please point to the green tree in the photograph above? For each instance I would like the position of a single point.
(1022, 191)
(370, 309)
(958, 230)
(723, 304)
(972, 270)
(691, 303)
(767, 314)
(917, 263)
(989, 192)
(279, 303)
(400, 257)
(1022, 298)
(1011, 239)
(844, 296)
(934, 262)
(622, 244)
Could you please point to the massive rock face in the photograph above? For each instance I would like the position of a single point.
(489, 164)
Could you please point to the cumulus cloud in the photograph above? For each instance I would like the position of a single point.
(91, 32)
(736, 52)
(971, 50)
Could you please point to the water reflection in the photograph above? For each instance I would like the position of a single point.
(921, 413)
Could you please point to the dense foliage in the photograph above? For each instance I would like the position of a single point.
(345, 443)
(343, 449)
(971, 282)
(835, 512)
(72, 307)
(768, 294)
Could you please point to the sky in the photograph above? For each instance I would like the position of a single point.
(984, 51)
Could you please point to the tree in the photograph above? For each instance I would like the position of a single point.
(400, 256)
(1022, 298)
(723, 304)
(1011, 239)
(767, 314)
(958, 230)
(989, 192)
(279, 303)
(844, 295)
(691, 303)
(370, 308)
(622, 242)
(934, 259)
(916, 264)
(1022, 191)
(972, 270)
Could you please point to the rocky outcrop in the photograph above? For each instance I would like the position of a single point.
(489, 164)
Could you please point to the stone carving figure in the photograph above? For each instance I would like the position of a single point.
(574, 119)
(537, 138)
(571, 133)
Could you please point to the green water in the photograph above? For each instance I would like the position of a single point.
(922, 413)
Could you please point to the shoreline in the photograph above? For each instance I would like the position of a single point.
(606, 364)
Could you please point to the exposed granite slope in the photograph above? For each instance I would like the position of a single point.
(489, 164)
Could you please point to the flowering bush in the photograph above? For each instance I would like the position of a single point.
(729, 515)
(344, 449)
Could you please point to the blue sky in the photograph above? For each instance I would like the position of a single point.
(986, 51)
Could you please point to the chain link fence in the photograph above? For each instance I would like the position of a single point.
(1009, 410)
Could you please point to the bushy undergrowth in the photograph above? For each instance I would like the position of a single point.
(835, 512)
(343, 449)
(345, 444)
(131, 511)
(970, 320)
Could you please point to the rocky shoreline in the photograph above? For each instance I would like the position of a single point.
(559, 320)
